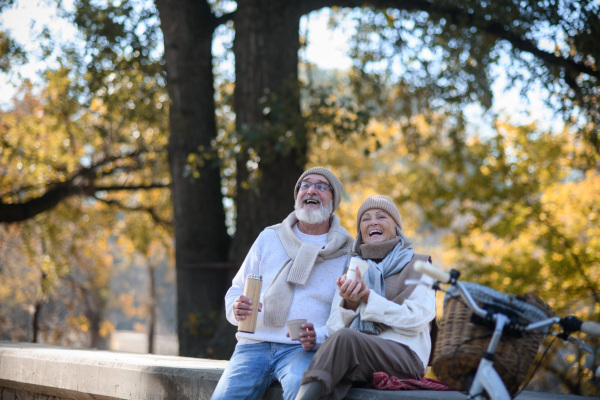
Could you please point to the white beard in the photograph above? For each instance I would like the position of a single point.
(310, 216)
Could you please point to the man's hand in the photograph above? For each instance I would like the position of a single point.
(308, 336)
(242, 307)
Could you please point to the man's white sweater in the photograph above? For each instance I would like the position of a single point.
(311, 301)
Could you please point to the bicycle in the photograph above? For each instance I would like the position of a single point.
(510, 318)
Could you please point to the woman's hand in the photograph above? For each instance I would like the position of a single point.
(353, 291)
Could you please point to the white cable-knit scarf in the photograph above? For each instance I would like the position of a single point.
(303, 256)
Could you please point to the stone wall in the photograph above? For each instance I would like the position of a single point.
(39, 372)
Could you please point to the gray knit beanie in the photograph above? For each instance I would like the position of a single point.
(336, 184)
(382, 203)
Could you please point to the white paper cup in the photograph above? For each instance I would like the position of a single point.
(355, 263)
(294, 329)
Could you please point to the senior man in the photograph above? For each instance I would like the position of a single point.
(299, 261)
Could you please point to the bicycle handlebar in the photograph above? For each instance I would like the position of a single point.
(591, 328)
(432, 271)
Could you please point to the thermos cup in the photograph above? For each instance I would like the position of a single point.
(252, 289)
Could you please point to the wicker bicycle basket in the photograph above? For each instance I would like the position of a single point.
(461, 343)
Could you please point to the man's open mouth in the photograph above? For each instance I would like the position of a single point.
(311, 200)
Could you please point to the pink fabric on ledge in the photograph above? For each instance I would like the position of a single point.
(383, 381)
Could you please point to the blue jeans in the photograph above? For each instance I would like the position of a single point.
(254, 367)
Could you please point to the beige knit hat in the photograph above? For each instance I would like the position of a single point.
(336, 184)
(380, 202)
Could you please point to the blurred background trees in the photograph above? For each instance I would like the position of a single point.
(83, 174)
(173, 132)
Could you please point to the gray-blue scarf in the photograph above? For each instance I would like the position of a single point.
(391, 264)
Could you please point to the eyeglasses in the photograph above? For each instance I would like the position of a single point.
(321, 187)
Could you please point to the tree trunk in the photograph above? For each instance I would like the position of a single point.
(268, 118)
(37, 306)
(94, 313)
(268, 123)
(200, 231)
(152, 302)
(35, 321)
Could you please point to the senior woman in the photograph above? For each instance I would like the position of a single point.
(377, 321)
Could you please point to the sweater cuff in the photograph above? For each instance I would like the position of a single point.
(321, 335)
(346, 315)
(374, 310)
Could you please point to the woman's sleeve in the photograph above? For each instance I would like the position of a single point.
(408, 318)
(339, 317)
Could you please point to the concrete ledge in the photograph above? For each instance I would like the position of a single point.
(68, 373)
(90, 374)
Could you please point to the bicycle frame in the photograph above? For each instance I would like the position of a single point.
(486, 378)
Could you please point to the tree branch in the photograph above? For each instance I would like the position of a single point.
(15, 212)
(82, 182)
(462, 17)
(150, 210)
(114, 188)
